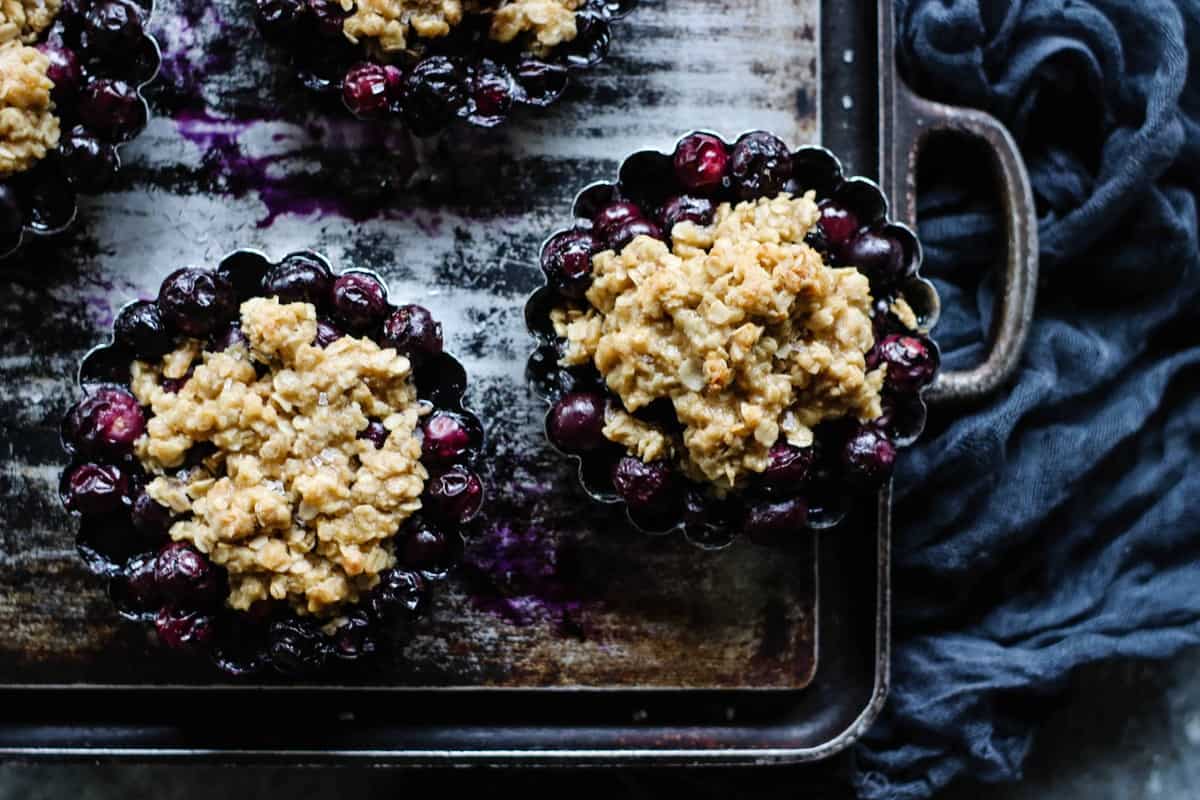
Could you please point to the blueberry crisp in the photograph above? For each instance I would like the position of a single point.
(727, 342)
(69, 74)
(429, 62)
(280, 468)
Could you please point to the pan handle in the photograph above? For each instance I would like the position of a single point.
(916, 119)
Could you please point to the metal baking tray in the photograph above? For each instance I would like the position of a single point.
(567, 638)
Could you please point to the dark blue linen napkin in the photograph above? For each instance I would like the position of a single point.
(1058, 524)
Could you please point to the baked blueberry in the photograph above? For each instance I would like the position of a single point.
(149, 516)
(105, 424)
(911, 362)
(140, 327)
(184, 630)
(576, 422)
(90, 163)
(112, 108)
(447, 437)
(299, 278)
(400, 592)
(869, 456)
(365, 90)
(776, 521)
(760, 165)
(701, 163)
(650, 489)
(297, 647)
(454, 495)
(359, 301)
(96, 489)
(184, 576)
(375, 433)
(686, 208)
(877, 255)
(433, 94)
(196, 302)
(567, 262)
(788, 469)
(413, 331)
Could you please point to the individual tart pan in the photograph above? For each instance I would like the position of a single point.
(96, 57)
(747, 456)
(429, 63)
(271, 464)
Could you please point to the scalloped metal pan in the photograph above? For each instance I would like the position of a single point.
(868, 119)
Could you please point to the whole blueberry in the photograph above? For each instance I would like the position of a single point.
(231, 336)
(686, 208)
(328, 17)
(110, 27)
(626, 233)
(299, 278)
(567, 262)
(413, 331)
(149, 516)
(837, 223)
(788, 469)
(701, 163)
(111, 109)
(612, 216)
(491, 94)
(539, 83)
(184, 630)
(365, 90)
(399, 592)
(425, 549)
(105, 423)
(140, 328)
(877, 255)
(455, 495)
(297, 647)
(375, 433)
(185, 576)
(196, 301)
(135, 588)
(356, 637)
(95, 489)
(576, 422)
(64, 72)
(446, 437)
(649, 489)
(776, 521)
(278, 19)
(911, 362)
(12, 218)
(90, 164)
(327, 334)
(433, 94)
(359, 301)
(760, 166)
(869, 456)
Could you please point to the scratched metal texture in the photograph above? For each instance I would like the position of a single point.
(555, 591)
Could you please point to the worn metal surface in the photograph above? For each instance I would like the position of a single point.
(555, 591)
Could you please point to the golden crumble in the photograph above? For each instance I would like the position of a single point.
(391, 24)
(740, 325)
(28, 125)
(291, 503)
(26, 19)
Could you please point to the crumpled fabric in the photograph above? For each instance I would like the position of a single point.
(1058, 523)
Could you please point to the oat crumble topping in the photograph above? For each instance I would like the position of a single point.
(28, 125)
(740, 325)
(25, 19)
(391, 24)
(291, 503)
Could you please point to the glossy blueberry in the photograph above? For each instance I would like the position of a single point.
(140, 328)
(433, 94)
(539, 83)
(911, 362)
(299, 278)
(365, 90)
(327, 333)
(185, 576)
(413, 331)
(196, 301)
(64, 72)
(231, 336)
(184, 630)
(454, 496)
(297, 647)
(788, 469)
(446, 437)
(626, 233)
(612, 216)
(701, 163)
(775, 522)
(375, 433)
(686, 208)
(110, 27)
(576, 422)
(592, 38)
(328, 17)
(837, 223)
(760, 166)
(105, 423)
(149, 516)
(12, 218)
(355, 638)
(868, 456)
(425, 549)
(135, 589)
(112, 109)
(278, 19)
(90, 164)
(400, 592)
(490, 94)
(359, 301)
(647, 489)
(877, 255)
(567, 262)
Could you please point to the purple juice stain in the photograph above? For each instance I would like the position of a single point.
(525, 575)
